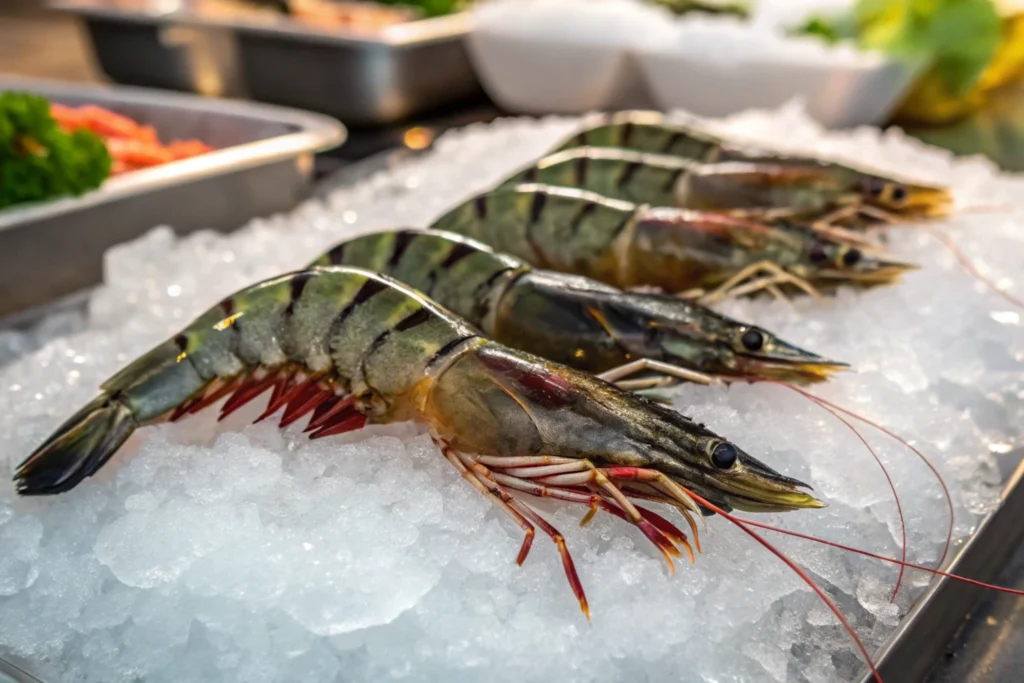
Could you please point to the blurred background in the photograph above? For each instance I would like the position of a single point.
(948, 73)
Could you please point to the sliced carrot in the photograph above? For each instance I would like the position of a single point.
(184, 149)
(132, 146)
(105, 122)
(138, 153)
(67, 118)
(117, 167)
(148, 134)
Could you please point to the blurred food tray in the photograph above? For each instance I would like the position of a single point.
(262, 164)
(366, 78)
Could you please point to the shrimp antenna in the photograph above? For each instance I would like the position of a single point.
(835, 412)
(970, 267)
(897, 437)
(892, 487)
(883, 558)
(745, 525)
(957, 252)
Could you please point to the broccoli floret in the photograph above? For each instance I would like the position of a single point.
(38, 160)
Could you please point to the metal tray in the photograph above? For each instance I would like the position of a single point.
(262, 164)
(404, 70)
(919, 640)
(142, 44)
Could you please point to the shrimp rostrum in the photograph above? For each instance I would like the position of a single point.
(349, 347)
(574, 320)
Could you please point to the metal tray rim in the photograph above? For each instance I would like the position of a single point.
(412, 33)
(316, 133)
(997, 522)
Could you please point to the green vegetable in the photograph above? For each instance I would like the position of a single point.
(430, 8)
(959, 37)
(39, 161)
(738, 8)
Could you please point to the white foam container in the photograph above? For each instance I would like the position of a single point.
(839, 94)
(574, 56)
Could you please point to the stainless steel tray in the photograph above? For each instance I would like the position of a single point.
(262, 164)
(912, 650)
(404, 70)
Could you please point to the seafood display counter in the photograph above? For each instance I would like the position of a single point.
(428, 597)
(361, 77)
(261, 164)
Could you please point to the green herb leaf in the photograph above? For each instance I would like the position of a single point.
(960, 37)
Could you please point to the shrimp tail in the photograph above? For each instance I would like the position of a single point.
(77, 448)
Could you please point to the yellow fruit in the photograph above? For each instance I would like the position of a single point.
(930, 102)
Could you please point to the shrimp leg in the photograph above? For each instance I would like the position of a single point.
(521, 514)
(550, 481)
(735, 286)
(642, 364)
(494, 493)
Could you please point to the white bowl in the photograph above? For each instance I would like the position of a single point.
(538, 77)
(562, 57)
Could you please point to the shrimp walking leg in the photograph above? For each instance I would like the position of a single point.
(840, 214)
(769, 283)
(731, 287)
(842, 235)
(642, 364)
(484, 474)
(648, 386)
(481, 478)
(551, 481)
(494, 493)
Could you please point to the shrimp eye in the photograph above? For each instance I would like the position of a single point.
(724, 456)
(851, 257)
(899, 193)
(752, 340)
(819, 253)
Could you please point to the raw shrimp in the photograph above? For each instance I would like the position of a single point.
(574, 320)
(677, 250)
(354, 347)
(738, 177)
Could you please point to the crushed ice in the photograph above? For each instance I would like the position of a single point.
(245, 554)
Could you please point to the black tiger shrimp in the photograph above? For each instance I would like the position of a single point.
(702, 253)
(574, 320)
(722, 175)
(349, 347)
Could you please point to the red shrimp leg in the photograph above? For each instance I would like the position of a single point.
(481, 478)
(494, 494)
(305, 401)
(552, 481)
(325, 413)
